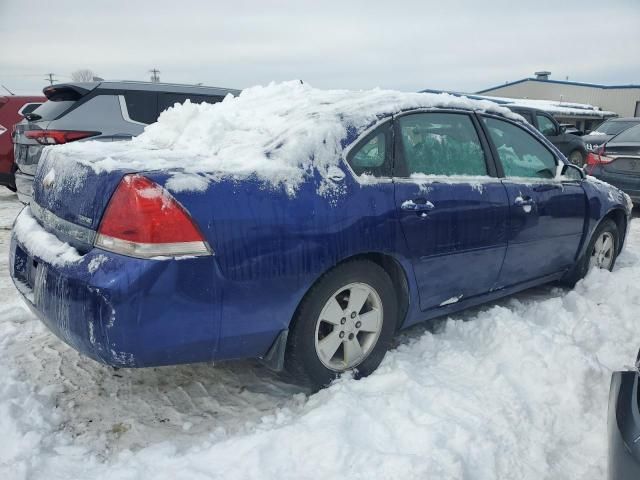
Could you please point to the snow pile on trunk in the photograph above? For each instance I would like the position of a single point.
(280, 133)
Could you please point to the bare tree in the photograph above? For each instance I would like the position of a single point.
(83, 75)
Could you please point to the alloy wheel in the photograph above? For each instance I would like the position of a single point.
(348, 327)
(603, 252)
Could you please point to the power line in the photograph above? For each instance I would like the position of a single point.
(50, 78)
(155, 75)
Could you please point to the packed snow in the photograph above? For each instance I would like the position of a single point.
(280, 133)
(36, 239)
(515, 389)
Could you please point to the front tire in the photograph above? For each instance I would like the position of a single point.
(601, 252)
(345, 323)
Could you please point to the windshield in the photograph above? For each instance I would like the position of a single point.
(51, 110)
(613, 128)
(630, 135)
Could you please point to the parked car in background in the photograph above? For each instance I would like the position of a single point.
(106, 111)
(569, 144)
(290, 226)
(13, 108)
(618, 162)
(624, 425)
(607, 130)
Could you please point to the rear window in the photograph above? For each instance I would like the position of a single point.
(614, 128)
(50, 110)
(630, 135)
(28, 108)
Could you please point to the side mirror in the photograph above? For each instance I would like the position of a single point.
(572, 172)
(563, 129)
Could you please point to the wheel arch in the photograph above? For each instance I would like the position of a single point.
(620, 219)
(274, 357)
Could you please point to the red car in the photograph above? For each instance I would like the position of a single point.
(13, 108)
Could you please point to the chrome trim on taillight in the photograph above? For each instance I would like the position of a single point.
(158, 251)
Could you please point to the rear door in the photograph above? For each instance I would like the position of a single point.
(546, 213)
(452, 208)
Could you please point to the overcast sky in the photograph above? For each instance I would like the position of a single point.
(407, 45)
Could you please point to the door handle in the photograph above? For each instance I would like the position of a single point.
(521, 201)
(526, 203)
(417, 205)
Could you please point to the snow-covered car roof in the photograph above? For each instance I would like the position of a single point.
(279, 133)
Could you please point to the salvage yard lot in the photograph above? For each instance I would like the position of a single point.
(515, 389)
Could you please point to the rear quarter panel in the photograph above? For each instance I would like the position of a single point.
(271, 246)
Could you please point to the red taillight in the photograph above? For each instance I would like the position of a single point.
(598, 158)
(57, 137)
(144, 220)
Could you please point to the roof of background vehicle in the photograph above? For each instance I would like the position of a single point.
(625, 119)
(563, 82)
(144, 86)
(564, 109)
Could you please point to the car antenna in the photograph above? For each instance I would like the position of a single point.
(7, 89)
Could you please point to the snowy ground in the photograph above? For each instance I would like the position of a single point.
(516, 389)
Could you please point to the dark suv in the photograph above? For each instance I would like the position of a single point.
(570, 145)
(106, 111)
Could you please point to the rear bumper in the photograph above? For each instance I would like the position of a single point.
(130, 312)
(24, 186)
(121, 311)
(624, 427)
(629, 184)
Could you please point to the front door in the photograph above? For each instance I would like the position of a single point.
(453, 212)
(546, 213)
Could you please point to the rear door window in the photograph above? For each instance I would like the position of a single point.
(440, 144)
(519, 152)
(142, 106)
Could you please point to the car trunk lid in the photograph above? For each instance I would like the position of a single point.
(626, 159)
(70, 197)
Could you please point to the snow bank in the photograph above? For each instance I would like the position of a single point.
(280, 133)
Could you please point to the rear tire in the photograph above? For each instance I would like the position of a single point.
(576, 158)
(346, 322)
(598, 254)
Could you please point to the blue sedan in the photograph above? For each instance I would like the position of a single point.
(429, 211)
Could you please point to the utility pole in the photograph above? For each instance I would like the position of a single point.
(155, 75)
(50, 78)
